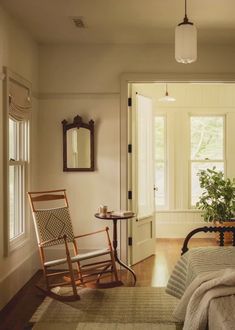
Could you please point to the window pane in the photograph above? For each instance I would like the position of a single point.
(196, 191)
(160, 184)
(159, 138)
(207, 135)
(12, 139)
(12, 200)
(160, 165)
(16, 193)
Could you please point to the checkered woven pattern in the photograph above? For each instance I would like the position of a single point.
(52, 223)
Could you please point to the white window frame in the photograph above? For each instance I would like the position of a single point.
(165, 161)
(16, 242)
(223, 115)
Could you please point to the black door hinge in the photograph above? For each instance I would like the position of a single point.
(129, 101)
(130, 241)
(129, 148)
(129, 194)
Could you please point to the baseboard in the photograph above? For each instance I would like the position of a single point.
(174, 230)
(17, 278)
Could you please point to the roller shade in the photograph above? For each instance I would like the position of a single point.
(19, 101)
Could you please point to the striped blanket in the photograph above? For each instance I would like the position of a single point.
(197, 261)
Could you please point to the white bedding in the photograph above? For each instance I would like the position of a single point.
(221, 314)
(198, 261)
(203, 302)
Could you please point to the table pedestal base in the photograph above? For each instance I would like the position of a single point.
(127, 267)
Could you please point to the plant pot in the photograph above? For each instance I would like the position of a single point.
(228, 236)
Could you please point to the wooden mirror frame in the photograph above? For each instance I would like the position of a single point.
(77, 122)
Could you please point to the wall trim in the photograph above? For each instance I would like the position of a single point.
(78, 95)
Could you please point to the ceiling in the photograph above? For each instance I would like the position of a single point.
(123, 21)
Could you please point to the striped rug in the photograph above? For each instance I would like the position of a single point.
(123, 308)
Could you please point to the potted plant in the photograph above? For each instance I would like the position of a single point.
(217, 200)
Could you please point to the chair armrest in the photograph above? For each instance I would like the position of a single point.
(93, 233)
(64, 237)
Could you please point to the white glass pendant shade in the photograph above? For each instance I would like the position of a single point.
(186, 43)
(167, 97)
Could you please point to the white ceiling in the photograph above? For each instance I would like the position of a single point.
(123, 21)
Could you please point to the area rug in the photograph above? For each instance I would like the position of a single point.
(122, 308)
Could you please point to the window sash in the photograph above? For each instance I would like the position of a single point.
(221, 161)
(16, 199)
(17, 177)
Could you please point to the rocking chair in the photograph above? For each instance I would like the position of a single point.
(53, 226)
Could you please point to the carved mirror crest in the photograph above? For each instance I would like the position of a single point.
(78, 145)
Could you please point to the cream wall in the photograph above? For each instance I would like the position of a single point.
(86, 190)
(20, 53)
(85, 80)
(97, 68)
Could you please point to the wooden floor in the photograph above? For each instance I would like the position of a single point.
(153, 271)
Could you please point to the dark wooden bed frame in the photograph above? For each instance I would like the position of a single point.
(221, 230)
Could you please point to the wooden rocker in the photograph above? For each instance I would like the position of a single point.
(53, 226)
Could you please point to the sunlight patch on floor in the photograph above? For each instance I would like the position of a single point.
(160, 272)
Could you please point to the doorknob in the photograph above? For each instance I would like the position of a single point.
(155, 188)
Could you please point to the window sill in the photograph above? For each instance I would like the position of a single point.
(179, 211)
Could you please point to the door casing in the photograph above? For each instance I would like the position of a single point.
(126, 79)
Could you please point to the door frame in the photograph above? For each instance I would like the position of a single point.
(126, 79)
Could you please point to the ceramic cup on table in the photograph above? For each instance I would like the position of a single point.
(103, 209)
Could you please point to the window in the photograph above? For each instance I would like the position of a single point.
(160, 162)
(17, 114)
(18, 157)
(207, 148)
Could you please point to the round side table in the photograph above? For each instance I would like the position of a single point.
(114, 219)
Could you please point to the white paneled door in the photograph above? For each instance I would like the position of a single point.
(141, 178)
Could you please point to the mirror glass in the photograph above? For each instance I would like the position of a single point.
(78, 148)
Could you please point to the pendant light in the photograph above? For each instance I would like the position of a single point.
(167, 97)
(186, 41)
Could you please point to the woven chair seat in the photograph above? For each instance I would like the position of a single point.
(79, 257)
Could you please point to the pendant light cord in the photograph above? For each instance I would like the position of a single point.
(166, 90)
(186, 20)
(185, 15)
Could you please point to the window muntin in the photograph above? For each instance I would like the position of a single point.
(207, 148)
(160, 162)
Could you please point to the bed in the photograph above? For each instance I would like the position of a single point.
(202, 262)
